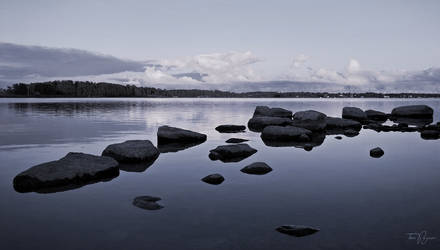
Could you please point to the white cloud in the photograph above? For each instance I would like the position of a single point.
(353, 66)
(216, 68)
(300, 60)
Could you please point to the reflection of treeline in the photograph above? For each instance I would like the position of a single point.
(102, 89)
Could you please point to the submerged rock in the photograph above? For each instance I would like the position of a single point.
(296, 230)
(147, 202)
(288, 133)
(132, 151)
(257, 124)
(354, 113)
(273, 112)
(430, 134)
(376, 115)
(231, 153)
(310, 119)
(351, 133)
(230, 128)
(236, 140)
(72, 171)
(376, 152)
(167, 134)
(308, 147)
(413, 111)
(257, 168)
(214, 179)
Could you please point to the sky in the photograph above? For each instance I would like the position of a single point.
(345, 42)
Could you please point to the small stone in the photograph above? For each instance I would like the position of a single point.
(236, 140)
(230, 128)
(257, 168)
(376, 152)
(338, 137)
(351, 133)
(297, 231)
(308, 147)
(147, 202)
(214, 179)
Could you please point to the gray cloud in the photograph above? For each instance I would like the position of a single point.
(19, 62)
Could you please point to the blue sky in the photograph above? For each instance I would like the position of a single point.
(273, 36)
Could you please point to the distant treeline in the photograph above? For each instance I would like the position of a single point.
(103, 89)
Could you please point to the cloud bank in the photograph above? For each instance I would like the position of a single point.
(233, 71)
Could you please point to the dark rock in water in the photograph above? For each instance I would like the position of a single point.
(430, 134)
(214, 179)
(376, 115)
(257, 124)
(231, 153)
(308, 147)
(354, 113)
(236, 140)
(147, 202)
(72, 171)
(341, 124)
(297, 231)
(132, 151)
(257, 168)
(288, 133)
(273, 112)
(167, 134)
(310, 119)
(338, 137)
(376, 152)
(420, 121)
(230, 128)
(351, 133)
(166, 147)
(413, 111)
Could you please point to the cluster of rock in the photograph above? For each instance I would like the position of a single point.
(278, 127)
(307, 129)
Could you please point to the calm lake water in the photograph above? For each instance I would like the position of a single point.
(357, 201)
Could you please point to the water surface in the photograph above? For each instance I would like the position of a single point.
(357, 201)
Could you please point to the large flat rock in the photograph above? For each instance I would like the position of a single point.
(71, 171)
(231, 153)
(273, 112)
(167, 134)
(132, 151)
(422, 111)
(310, 119)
